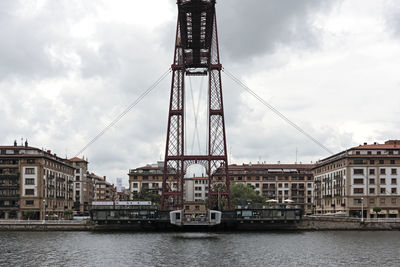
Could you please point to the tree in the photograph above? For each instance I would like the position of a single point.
(242, 192)
(68, 213)
(147, 195)
(376, 210)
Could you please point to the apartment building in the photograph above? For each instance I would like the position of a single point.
(104, 190)
(275, 181)
(83, 193)
(34, 182)
(149, 177)
(359, 179)
(196, 189)
(290, 182)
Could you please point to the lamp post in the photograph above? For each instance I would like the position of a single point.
(362, 209)
(44, 211)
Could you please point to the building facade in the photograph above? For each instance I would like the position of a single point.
(83, 193)
(196, 189)
(34, 183)
(274, 181)
(149, 177)
(290, 182)
(104, 190)
(359, 179)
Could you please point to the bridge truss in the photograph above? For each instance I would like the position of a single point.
(196, 54)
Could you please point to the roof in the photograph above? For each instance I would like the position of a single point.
(270, 166)
(196, 178)
(76, 159)
(390, 144)
(18, 147)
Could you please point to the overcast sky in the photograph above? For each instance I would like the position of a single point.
(69, 67)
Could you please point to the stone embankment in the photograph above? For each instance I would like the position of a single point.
(343, 223)
(308, 223)
(24, 225)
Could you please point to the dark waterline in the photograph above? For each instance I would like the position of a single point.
(347, 248)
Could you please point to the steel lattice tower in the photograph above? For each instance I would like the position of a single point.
(196, 53)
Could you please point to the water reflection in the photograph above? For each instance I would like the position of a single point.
(200, 249)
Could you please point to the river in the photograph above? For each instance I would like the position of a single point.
(329, 248)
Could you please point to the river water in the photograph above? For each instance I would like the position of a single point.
(200, 249)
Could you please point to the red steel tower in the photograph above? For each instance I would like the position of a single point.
(196, 54)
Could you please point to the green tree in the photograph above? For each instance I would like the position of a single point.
(147, 195)
(247, 193)
(376, 210)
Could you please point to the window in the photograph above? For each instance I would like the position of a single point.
(357, 201)
(29, 202)
(372, 171)
(383, 181)
(382, 201)
(394, 190)
(394, 171)
(29, 192)
(280, 185)
(371, 181)
(392, 161)
(358, 161)
(78, 170)
(369, 152)
(393, 200)
(77, 178)
(357, 152)
(394, 181)
(372, 190)
(378, 153)
(372, 161)
(381, 161)
(77, 185)
(257, 185)
(383, 171)
(358, 181)
(371, 201)
(286, 185)
(29, 181)
(358, 171)
(358, 190)
(135, 185)
(29, 170)
(383, 190)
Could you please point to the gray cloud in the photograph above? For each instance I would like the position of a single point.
(252, 28)
(59, 90)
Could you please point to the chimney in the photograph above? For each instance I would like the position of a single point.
(49, 151)
(365, 144)
(104, 177)
(26, 143)
(15, 142)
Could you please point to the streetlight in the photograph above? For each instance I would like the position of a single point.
(362, 209)
(44, 211)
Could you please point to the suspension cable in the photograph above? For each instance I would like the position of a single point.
(273, 109)
(127, 109)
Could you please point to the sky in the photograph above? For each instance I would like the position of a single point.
(69, 67)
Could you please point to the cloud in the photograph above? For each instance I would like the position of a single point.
(253, 28)
(68, 68)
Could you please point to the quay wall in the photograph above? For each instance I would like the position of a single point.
(323, 223)
(48, 226)
(306, 224)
